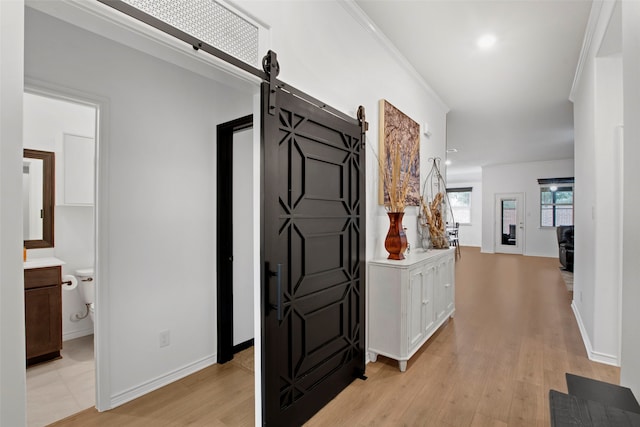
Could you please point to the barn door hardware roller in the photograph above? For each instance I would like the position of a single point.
(364, 124)
(272, 68)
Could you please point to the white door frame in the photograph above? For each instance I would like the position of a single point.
(518, 247)
(100, 225)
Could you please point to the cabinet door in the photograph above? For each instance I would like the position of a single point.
(415, 323)
(444, 286)
(447, 269)
(439, 291)
(43, 320)
(428, 303)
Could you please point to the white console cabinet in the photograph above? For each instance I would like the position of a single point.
(408, 301)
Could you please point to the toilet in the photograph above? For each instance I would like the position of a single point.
(87, 287)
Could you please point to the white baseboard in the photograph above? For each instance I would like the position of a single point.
(593, 355)
(607, 359)
(77, 334)
(583, 330)
(149, 386)
(542, 255)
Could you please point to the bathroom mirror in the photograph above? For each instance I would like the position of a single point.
(38, 198)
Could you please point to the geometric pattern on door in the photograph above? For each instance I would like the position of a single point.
(318, 217)
(314, 224)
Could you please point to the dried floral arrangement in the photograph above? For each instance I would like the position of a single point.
(432, 213)
(399, 159)
(434, 202)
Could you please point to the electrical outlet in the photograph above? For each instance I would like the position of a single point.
(164, 338)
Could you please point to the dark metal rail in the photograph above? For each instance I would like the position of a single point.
(198, 44)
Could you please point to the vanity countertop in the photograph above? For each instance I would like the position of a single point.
(42, 262)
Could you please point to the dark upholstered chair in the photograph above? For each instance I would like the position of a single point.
(565, 246)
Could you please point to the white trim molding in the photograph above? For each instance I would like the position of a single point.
(594, 33)
(363, 19)
(161, 381)
(593, 355)
(101, 329)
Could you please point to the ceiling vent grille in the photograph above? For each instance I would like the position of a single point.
(208, 21)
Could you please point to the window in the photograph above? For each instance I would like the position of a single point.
(460, 200)
(556, 202)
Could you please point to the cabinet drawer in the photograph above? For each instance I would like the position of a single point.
(39, 277)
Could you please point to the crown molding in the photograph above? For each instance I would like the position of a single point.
(587, 43)
(363, 19)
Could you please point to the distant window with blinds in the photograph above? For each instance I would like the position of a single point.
(460, 200)
(556, 201)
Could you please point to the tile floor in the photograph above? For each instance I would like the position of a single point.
(62, 387)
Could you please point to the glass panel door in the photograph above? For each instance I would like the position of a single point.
(509, 223)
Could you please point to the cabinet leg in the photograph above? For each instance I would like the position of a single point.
(402, 364)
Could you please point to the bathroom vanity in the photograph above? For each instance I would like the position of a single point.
(43, 309)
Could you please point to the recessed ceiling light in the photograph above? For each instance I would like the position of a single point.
(486, 41)
(447, 162)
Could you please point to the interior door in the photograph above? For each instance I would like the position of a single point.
(234, 288)
(242, 228)
(509, 223)
(313, 253)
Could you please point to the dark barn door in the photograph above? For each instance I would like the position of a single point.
(313, 254)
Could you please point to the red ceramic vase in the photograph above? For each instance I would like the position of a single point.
(396, 241)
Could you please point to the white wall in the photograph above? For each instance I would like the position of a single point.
(597, 97)
(45, 121)
(471, 234)
(12, 350)
(608, 209)
(630, 372)
(522, 178)
(584, 206)
(346, 67)
(158, 146)
(158, 215)
(243, 209)
(355, 61)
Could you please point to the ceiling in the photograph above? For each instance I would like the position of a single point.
(508, 103)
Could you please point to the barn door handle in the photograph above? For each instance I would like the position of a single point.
(278, 306)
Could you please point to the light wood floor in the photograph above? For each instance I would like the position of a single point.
(512, 339)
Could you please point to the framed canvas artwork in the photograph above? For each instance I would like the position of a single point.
(399, 156)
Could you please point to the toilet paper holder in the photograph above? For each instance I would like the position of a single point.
(69, 282)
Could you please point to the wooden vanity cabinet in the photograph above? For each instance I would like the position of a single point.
(43, 313)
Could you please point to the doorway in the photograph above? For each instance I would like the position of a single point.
(235, 208)
(66, 125)
(509, 223)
